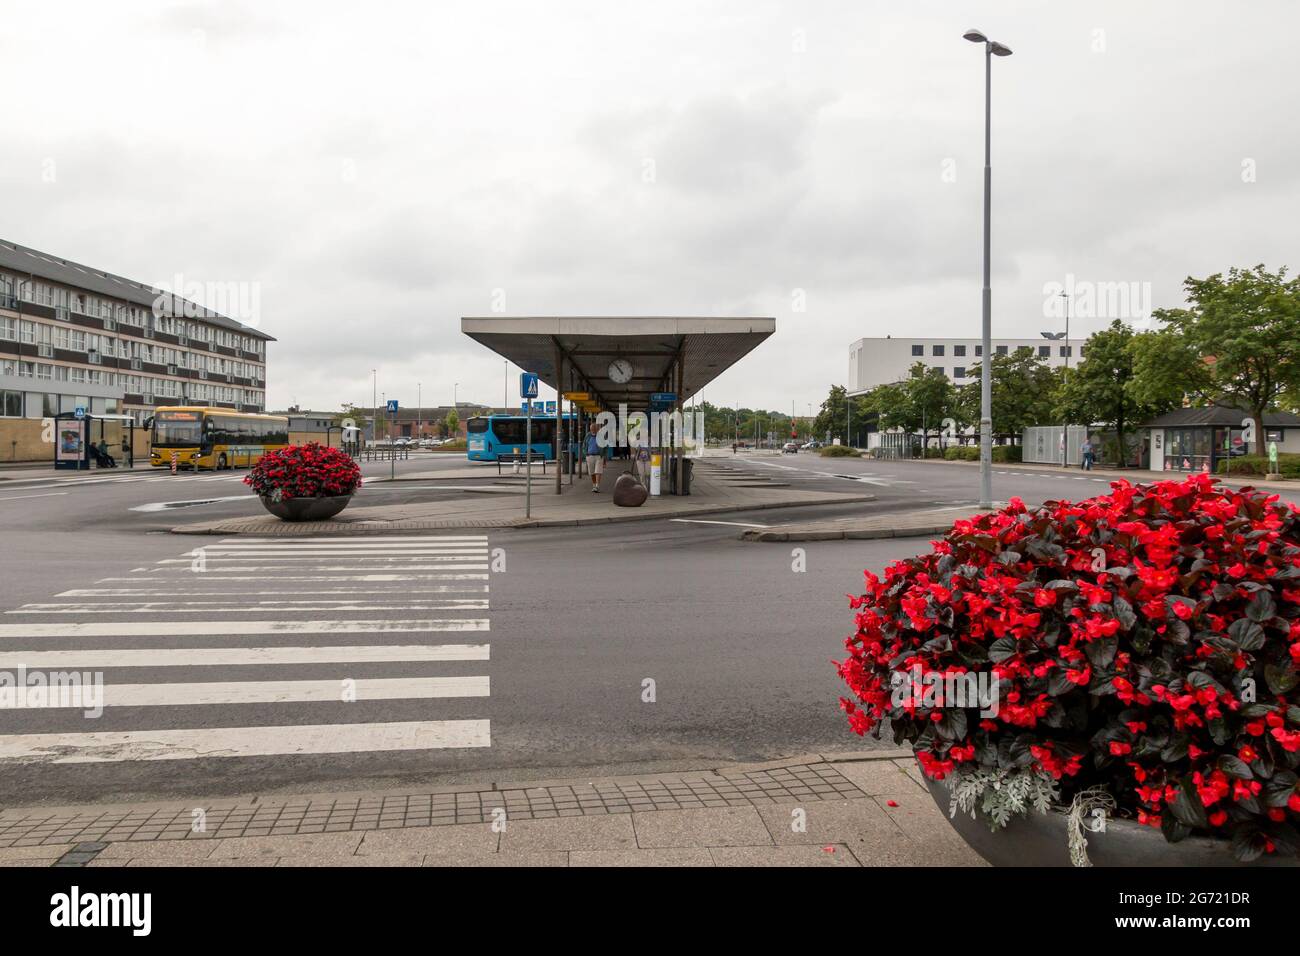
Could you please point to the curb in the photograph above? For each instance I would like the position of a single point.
(417, 525)
(856, 534)
(14, 813)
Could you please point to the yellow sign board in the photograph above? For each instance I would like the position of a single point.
(578, 396)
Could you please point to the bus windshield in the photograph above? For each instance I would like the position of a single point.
(172, 432)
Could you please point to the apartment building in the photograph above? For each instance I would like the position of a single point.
(877, 361)
(72, 335)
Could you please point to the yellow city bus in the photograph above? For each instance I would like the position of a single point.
(213, 437)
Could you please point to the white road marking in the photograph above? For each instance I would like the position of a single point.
(254, 607)
(245, 741)
(48, 494)
(359, 539)
(278, 692)
(438, 554)
(170, 505)
(233, 628)
(226, 576)
(734, 524)
(172, 592)
(234, 656)
(332, 567)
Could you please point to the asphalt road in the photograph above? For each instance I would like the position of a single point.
(654, 644)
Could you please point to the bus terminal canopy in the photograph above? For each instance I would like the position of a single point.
(666, 353)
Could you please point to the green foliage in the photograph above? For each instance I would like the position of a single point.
(839, 451)
(452, 422)
(1001, 794)
(1245, 331)
(1023, 390)
(1005, 453)
(1288, 465)
(1102, 388)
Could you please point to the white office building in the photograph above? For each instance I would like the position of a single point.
(877, 361)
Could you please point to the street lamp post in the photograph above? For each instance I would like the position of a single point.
(374, 406)
(1065, 432)
(991, 49)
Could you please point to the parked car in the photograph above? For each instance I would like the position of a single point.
(790, 448)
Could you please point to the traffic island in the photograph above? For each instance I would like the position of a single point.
(906, 524)
(575, 505)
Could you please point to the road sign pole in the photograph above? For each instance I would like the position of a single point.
(528, 462)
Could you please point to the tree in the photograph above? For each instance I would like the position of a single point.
(1102, 388)
(1023, 393)
(452, 422)
(1246, 329)
(1167, 369)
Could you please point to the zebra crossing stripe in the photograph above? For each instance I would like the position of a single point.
(229, 606)
(230, 656)
(109, 746)
(234, 628)
(277, 692)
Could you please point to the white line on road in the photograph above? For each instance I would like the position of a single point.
(233, 628)
(434, 554)
(244, 741)
(182, 574)
(238, 656)
(734, 524)
(165, 592)
(325, 567)
(203, 693)
(250, 607)
(48, 494)
(169, 505)
(358, 539)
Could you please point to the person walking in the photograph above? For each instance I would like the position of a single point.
(595, 459)
(1085, 454)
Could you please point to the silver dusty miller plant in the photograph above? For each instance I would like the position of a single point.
(1000, 795)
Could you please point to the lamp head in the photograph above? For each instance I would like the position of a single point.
(1000, 50)
(975, 36)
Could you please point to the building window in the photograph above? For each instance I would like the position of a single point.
(979, 351)
(959, 371)
(958, 351)
(1044, 351)
(11, 404)
(1066, 351)
(918, 349)
(1002, 350)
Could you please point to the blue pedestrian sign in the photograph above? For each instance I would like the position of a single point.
(527, 384)
(663, 398)
(392, 406)
(80, 411)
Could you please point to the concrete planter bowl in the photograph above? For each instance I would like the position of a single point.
(1043, 840)
(306, 509)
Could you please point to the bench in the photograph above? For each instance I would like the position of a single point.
(524, 458)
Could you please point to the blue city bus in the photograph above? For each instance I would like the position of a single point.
(493, 435)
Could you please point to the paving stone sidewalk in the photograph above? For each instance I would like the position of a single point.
(858, 809)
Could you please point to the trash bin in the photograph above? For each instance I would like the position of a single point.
(686, 476)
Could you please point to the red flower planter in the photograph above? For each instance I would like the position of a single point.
(305, 482)
(1145, 642)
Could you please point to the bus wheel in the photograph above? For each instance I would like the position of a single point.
(221, 462)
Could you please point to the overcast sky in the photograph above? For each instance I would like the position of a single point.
(376, 171)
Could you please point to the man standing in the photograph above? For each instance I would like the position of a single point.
(595, 459)
(1085, 454)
